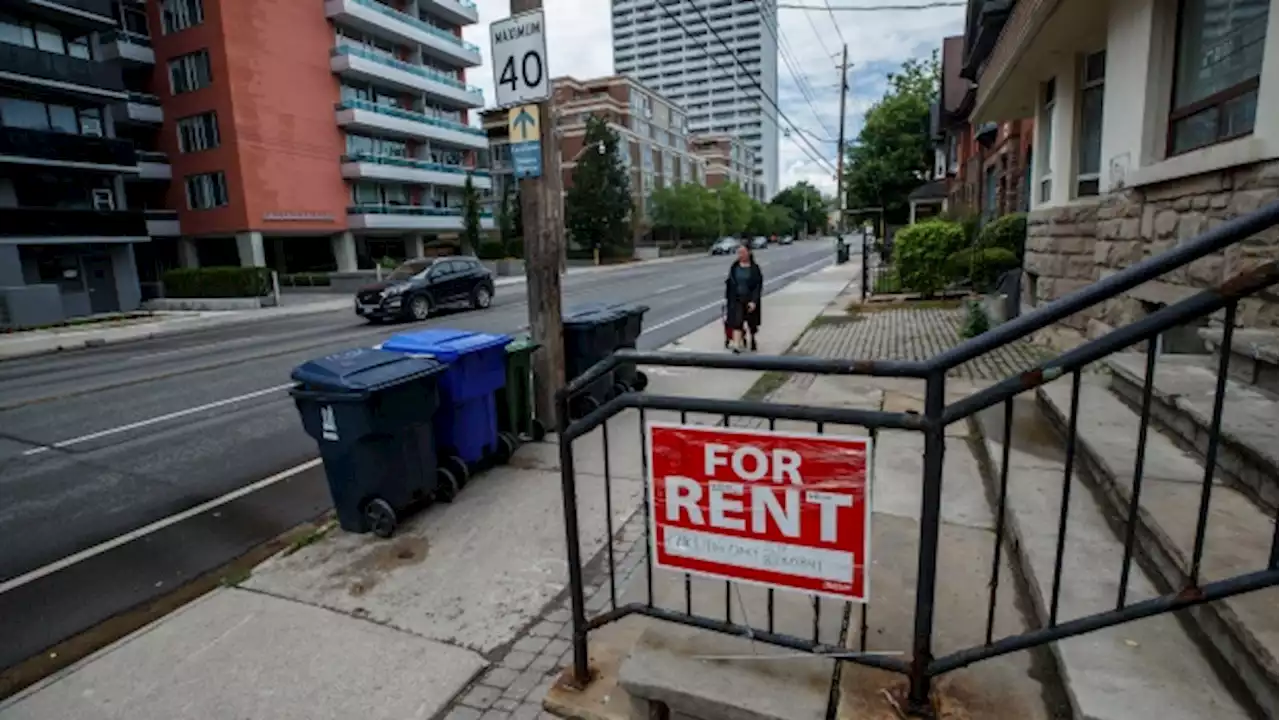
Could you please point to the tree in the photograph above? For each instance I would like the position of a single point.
(599, 203)
(683, 211)
(470, 218)
(506, 224)
(892, 154)
(733, 210)
(807, 208)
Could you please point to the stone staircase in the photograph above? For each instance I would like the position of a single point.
(1214, 660)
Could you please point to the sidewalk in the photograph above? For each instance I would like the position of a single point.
(37, 342)
(459, 613)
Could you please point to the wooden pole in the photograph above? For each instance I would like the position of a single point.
(544, 252)
(844, 86)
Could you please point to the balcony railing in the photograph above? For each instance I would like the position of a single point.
(62, 68)
(126, 36)
(412, 163)
(144, 98)
(418, 70)
(152, 156)
(420, 210)
(66, 147)
(409, 115)
(418, 23)
(63, 222)
(100, 8)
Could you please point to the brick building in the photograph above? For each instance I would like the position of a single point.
(729, 159)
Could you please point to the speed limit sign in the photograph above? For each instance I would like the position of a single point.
(519, 55)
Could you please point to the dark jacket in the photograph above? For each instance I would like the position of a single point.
(737, 304)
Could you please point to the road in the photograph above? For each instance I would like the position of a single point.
(127, 471)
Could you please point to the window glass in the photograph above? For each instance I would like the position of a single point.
(14, 32)
(359, 144)
(366, 193)
(79, 48)
(49, 39)
(1219, 57)
(395, 194)
(23, 114)
(63, 119)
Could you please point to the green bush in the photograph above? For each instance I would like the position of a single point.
(982, 267)
(491, 249)
(976, 321)
(217, 282)
(515, 248)
(305, 279)
(1008, 232)
(920, 254)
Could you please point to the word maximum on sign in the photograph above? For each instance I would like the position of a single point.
(786, 510)
(519, 54)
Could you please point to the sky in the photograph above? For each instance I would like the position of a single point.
(579, 43)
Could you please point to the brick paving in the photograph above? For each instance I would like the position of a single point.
(912, 334)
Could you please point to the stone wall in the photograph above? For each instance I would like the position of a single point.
(1073, 246)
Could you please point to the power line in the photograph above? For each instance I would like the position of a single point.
(779, 114)
(788, 59)
(834, 22)
(870, 8)
(816, 34)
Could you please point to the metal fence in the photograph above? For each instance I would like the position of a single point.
(921, 667)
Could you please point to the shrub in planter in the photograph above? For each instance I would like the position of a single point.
(1008, 232)
(515, 248)
(920, 254)
(491, 250)
(217, 282)
(982, 267)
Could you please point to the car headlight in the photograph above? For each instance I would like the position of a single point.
(393, 291)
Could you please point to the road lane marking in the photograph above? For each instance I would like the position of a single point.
(158, 419)
(665, 290)
(115, 542)
(718, 303)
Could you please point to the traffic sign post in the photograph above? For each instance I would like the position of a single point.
(523, 133)
(519, 45)
(785, 510)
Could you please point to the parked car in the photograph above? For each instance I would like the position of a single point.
(759, 242)
(786, 240)
(419, 287)
(725, 246)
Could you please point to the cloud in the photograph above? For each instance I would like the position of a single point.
(579, 43)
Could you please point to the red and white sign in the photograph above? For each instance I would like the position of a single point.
(785, 510)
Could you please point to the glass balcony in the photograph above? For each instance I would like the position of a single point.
(379, 19)
(418, 78)
(411, 217)
(365, 115)
(413, 163)
(126, 46)
(392, 168)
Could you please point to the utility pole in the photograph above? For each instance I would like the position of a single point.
(544, 254)
(844, 87)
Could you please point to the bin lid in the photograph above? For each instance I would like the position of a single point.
(522, 343)
(363, 370)
(444, 344)
(593, 314)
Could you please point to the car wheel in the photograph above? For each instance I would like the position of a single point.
(420, 307)
(481, 297)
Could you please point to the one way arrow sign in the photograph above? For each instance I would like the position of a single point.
(524, 134)
(523, 122)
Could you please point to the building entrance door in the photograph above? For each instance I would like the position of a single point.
(100, 281)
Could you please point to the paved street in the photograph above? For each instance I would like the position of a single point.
(116, 463)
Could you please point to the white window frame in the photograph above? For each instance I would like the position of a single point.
(207, 191)
(202, 130)
(1044, 140)
(188, 68)
(1083, 85)
(179, 15)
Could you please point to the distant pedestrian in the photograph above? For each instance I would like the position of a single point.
(742, 291)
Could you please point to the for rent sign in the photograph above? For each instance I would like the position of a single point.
(785, 510)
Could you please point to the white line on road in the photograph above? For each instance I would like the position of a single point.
(156, 526)
(665, 290)
(157, 419)
(718, 303)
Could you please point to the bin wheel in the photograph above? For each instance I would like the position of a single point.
(446, 485)
(507, 445)
(380, 518)
(537, 431)
(641, 382)
(458, 468)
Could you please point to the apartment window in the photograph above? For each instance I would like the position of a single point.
(1044, 131)
(41, 37)
(50, 117)
(190, 72)
(1218, 61)
(198, 132)
(181, 14)
(1089, 133)
(206, 191)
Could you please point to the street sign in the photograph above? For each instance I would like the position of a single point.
(785, 510)
(520, 73)
(524, 133)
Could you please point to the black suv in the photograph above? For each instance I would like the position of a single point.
(415, 289)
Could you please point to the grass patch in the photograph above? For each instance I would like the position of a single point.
(310, 538)
(767, 384)
(235, 577)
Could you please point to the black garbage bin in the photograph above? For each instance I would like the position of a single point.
(591, 333)
(370, 411)
(627, 377)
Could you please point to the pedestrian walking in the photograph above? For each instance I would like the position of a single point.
(742, 291)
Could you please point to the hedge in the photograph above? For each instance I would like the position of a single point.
(491, 250)
(515, 248)
(1008, 232)
(305, 279)
(921, 251)
(982, 267)
(217, 282)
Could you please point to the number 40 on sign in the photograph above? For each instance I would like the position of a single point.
(520, 59)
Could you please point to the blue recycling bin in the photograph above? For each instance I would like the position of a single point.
(371, 413)
(466, 423)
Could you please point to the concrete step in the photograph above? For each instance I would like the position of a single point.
(1182, 406)
(1253, 356)
(1239, 634)
(1147, 668)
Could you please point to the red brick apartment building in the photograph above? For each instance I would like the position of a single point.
(729, 160)
(300, 135)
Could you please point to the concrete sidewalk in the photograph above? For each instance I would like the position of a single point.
(37, 342)
(464, 600)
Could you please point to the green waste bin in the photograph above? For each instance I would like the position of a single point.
(515, 400)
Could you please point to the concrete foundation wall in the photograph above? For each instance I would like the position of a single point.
(1072, 246)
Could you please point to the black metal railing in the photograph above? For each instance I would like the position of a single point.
(63, 68)
(879, 275)
(44, 145)
(921, 666)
